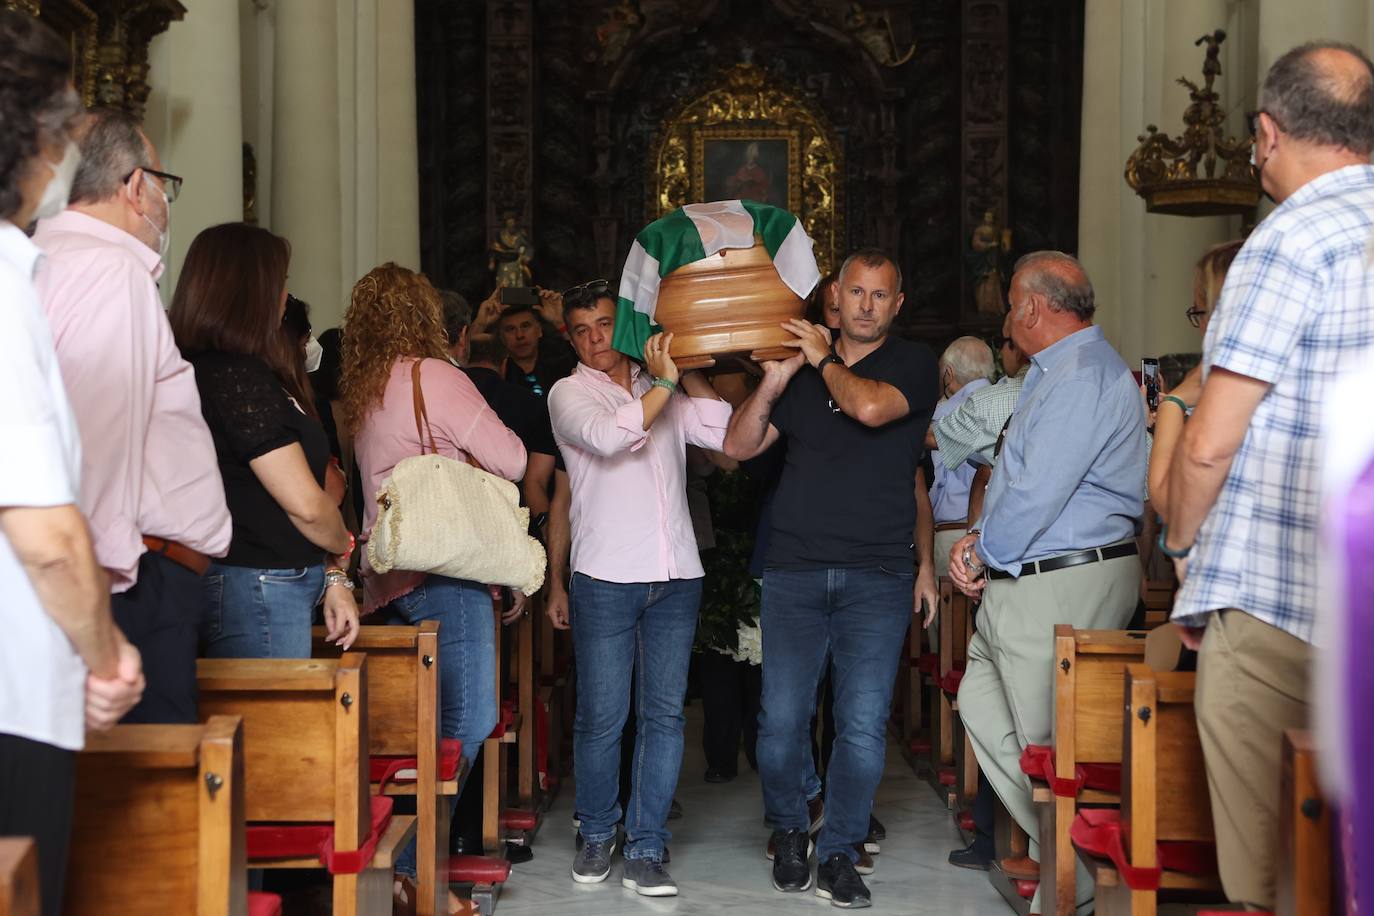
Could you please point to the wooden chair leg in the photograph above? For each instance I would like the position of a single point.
(946, 745)
(367, 893)
(526, 674)
(1062, 872)
(968, 771)
(492, 759)
(431, 856)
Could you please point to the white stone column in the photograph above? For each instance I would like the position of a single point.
(398, 155)
(305, 175)
(194, 119)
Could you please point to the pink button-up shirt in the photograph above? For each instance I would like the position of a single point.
(630, 521)
(148, 464)
(462, 425)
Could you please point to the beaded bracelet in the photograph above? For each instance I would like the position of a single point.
(666, 383)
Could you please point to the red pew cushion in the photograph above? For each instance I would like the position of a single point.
(951, 681)
(400, 769)
(295, 841)
(263, 904)
(1097, 831)
(1037, 762)
(478, 869)
(920, 746)
(929, 663)
(965, 821)
(946, 777)
(506, 720)
(516, 819)
(1025, 887)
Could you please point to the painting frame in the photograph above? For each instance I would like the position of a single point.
(739, 138)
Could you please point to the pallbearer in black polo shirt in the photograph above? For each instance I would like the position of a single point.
(840, 575)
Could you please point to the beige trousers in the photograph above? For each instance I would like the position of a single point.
(1252, 683)
(1006, 699)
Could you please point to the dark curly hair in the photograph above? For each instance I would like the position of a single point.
(37, 104)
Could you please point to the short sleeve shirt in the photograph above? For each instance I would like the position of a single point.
(250, 414)
(847, 493)
(42, 679)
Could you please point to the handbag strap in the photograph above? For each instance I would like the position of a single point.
(422, 427)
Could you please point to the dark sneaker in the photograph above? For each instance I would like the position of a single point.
(674, 811)
(791, 860)
(593, 862)
(838, 882)
(864, 864)
(876, 830)
(648, 878)
(970, 857)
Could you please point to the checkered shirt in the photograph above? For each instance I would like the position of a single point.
(971, 431)
(1297, 311)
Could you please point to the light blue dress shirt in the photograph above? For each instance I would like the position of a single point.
(949, 490)
(1071, 474)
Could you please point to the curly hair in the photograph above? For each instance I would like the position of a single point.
(37, 104)
(394, 313)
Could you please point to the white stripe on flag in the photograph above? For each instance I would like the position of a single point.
(795, 263)
(722, 224)
(639, 280)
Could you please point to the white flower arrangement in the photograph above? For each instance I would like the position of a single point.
(750, 644)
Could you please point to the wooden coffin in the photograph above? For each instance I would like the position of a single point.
(730, 304)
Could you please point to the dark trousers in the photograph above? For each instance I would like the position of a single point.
(161, 617)
(820, 752)
(36, 782)
(730, 703)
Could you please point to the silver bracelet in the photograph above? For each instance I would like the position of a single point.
(337, 578)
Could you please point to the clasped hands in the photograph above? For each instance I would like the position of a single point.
(970, 578)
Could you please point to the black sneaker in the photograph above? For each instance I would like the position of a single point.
(791, 860)
(593, 862)
(838, 882)
(876, 828)
(648, 878)
(971, 857)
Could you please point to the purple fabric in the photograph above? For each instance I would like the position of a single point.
(1358, 559)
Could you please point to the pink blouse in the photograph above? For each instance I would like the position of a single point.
(462, 425)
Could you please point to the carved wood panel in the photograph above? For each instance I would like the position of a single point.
(983, 147)
(510, 113)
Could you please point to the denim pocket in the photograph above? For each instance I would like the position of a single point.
(286, 575)
(212, 624)
(909, 574)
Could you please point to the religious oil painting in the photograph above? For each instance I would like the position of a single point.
(759, 165)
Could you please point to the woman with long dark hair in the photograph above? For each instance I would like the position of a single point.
(396, 319)
(290, 548)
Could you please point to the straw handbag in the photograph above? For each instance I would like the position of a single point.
(437, 515)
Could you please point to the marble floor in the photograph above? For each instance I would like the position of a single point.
(718, 863)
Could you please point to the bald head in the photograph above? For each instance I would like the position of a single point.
(967, 359)
(1060, 280)
(1323, 93)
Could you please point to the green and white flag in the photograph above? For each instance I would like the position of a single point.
(698, 231)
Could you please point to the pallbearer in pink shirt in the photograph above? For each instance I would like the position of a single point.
(636, 585)
(150, 484)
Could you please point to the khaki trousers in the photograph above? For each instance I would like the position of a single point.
(944, 541)
(1006, 699)
(1252, 683)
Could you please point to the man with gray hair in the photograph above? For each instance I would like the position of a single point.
(965, 367)
(1056, 541)
(150, 483)
(1244, 494)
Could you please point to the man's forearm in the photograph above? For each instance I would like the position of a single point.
(1193, 490)
(976, 492)
(924, 537)
(560, 529)
(869, 402)
(744, 437)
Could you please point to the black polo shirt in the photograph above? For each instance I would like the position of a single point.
(847, 494)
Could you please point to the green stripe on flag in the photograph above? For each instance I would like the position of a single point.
(672, 243)
(632, 329)
(773, 223)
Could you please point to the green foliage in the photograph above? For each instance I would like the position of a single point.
(729, 596)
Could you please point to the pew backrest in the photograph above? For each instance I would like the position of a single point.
(1089, 692)
(1305, 885)
(402, 684)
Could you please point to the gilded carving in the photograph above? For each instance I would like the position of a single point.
(874, 33)
(744, 104)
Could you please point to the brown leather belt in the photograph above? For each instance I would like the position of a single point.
(179, 554)
(960, 525)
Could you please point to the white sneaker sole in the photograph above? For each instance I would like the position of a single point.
(662, 890)
(793, 890)
(825, 895)
(591, 879)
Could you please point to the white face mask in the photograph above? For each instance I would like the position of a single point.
(164, 236)
(313, 354)
(60, 187)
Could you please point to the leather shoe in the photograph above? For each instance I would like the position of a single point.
(970, 857)
(1022, 868)
(718, 776)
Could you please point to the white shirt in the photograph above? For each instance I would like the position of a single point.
(42, 679)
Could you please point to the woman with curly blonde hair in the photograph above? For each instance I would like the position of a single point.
(396, 318)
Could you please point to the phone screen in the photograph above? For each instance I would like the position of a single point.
(1149, 374)
(519, 295)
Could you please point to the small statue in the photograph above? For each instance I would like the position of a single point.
(510, 255)
(875, 34)
(987, 248)
(613, 35)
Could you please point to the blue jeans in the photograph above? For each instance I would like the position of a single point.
(467, 664)
(644, 630)
(259, 613)
(859, 616)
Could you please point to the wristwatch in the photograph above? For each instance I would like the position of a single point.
(827, 360)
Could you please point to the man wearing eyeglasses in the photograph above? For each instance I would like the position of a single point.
(150, 483)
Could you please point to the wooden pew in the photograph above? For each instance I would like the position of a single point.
(306, 772)
(158, 823)
(19, 877)
(1305, 885)
(956, 770)
(403, 741)
(1084, 763)
(1160, 841)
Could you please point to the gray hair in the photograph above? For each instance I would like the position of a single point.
(1314, 100)
(872, 257)
(112, 146)
(1061, 279)
(968, 358)
(457, 313)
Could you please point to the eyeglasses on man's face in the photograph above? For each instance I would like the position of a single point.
(171, 184)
